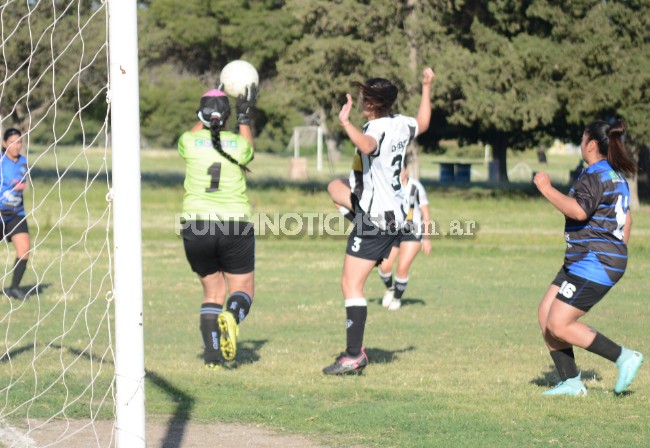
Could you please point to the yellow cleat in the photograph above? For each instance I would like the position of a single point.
(213, 366)
(229, 332)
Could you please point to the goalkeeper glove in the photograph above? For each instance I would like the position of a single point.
(245, 104)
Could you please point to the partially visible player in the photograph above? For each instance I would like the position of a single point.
(415, 235)
(597, 231)
(374, 194)
(218, 239)
(13, 181)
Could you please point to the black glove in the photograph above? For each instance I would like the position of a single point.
(245, 104)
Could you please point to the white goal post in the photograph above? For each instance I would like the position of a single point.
(127, 237)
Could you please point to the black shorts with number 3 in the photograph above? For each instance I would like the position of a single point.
(369, 242)
(577, 291)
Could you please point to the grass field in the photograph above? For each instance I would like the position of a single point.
(462, 364)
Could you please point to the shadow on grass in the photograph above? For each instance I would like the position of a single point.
(405, 302)
(34, 289)
(550, 378)
(184, 406)
(247, 353)
(381, 356)
(7, 356)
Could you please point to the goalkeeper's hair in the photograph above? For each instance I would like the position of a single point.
(378, 95)
(213, 112)
(215, 130)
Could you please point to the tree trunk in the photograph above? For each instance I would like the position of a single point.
(633, 184)
(333, 155)
(499, 165)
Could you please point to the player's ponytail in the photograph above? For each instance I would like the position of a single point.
(617, 156)
(215, 132)
(213, 112)
(609, 139)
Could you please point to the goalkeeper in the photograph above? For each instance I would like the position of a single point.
(218, 238)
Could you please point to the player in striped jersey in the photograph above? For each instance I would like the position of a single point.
(374, 194)
(218, 239)
(414, 236)
(597, 230)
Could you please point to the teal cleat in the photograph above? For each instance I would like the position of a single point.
(628, 364)
(572, 386)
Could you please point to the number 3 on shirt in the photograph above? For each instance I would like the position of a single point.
(396, 164)
(215, 176)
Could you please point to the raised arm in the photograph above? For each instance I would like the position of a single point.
(424, 112)
(364, 143)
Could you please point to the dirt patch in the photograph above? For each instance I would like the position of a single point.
(87, 434)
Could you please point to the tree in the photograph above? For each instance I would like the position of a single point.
(54, 81)
(185, 52)
(519, 71)
(344, 41)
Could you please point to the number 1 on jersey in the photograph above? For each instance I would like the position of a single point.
(215, 176)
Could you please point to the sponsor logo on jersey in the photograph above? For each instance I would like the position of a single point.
(615, 177)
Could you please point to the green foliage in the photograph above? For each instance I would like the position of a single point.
(54, 67)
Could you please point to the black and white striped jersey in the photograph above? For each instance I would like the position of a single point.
(375, 178)
(414, 198)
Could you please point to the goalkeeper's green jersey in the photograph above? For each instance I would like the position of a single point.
(214, 186)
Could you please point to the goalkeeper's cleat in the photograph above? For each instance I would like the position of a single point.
(395, 305)
(229, 331)
(213, 366)
(388, 297)
(571, 386)
(628, 364)
(347, 364)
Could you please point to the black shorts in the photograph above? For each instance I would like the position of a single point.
(577, 291)
(407, 237)
(14, 226)
(219, 246)
(368, 241)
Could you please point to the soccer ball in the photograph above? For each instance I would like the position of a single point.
(236, 76)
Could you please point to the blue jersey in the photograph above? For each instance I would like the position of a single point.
(13, 179)
(595, 249)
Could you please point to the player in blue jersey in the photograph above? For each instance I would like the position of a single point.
(597, 230)
(13, 180)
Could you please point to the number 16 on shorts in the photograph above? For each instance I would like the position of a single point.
(567, 289)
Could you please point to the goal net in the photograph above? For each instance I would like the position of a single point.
(57, 355)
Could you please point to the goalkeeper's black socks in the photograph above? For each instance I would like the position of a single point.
(210, 332)
(239, 304)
